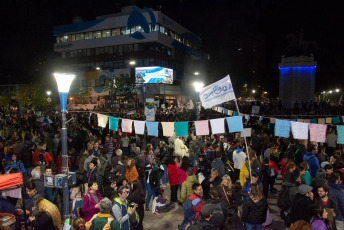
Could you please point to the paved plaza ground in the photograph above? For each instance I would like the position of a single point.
(171, 219)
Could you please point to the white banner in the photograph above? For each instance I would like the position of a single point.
(150, 110)
(189, 105)
(217, 93)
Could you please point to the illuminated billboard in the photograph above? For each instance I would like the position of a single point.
(154, 74)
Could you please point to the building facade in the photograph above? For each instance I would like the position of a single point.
(116, 44)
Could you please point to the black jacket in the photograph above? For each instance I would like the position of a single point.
(204, 168)
(301, 208)
(40, 187)
(43, 222)
(95, 176)
(254, 212)
(26, 158)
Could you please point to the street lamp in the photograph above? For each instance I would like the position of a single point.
(337, 90)
(48, 93)
(64, 81)
(198, 86)
(253, 91)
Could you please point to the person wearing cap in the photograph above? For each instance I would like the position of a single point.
(204, 222)
(301, 208)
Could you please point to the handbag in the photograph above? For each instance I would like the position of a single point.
(268, 219)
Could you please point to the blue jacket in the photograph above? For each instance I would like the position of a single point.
(219, 166)
(313, 163)
(337, 194)
(17, 165)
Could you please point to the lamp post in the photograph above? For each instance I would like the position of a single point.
(64, 81)
(198, 86)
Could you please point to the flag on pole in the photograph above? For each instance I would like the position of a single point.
(189, 105)
(217, 93)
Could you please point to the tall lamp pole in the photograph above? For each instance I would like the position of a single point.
(198, 86)
(64, 81)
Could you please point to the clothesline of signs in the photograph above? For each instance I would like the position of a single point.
(313, 129)
(300, 130)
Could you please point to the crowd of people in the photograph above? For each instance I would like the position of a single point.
(218, 180)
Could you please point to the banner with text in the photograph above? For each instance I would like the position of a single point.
(217, 93)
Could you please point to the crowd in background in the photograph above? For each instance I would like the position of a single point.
(218, 181)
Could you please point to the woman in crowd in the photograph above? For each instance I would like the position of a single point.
(255, 208)
(78, 224)
(172, 169)
(225, 190)
(319, 216)
(125, 144)
(182, 170)
(305, 175)
(15, 163)
(48, 218)
(255, 180)
(153, 181)
(91, 201)
(137, 196)
(77, 194)
(233, 221)
(131, 173)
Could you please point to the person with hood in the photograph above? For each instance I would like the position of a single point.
(244, 172)
(239, 158)
(180, 149)
(218, 164)
(93, 174)
(312, 161)
(337, 194)
(120, 169)
(204, 167)
(187, 185)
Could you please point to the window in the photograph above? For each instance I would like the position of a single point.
(138, 28)
(122, 30)
(115, 32)
(72, 37)
(101, 50)
(97, 51)
(88, 52)
(120, 50)
(110, 49)
(106, 33)
(127, 31)
(128, 48)
(136, 47)
(65, 38)
(132, 30)
(57, 40)
(162, 29)
(88, 35)
(97, 34)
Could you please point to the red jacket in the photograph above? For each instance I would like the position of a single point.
(35, 159)
(197, 207)
(274, 167)
(172, 174)
(283, 167)
(59, 164)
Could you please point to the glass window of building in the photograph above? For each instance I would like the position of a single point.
(162, 29)
(106, 33)
(97, 51)
(132, 30)
(127, 31)
(136, 47)
(139, 28)
(88, 35)
(120, 50)
(72, 37)
(115, 32)
(123, 30)
(116, 49)
(101, 50)
(110, 50)
(97, 34)
(88, 52)
(61, 39)
(65, 38)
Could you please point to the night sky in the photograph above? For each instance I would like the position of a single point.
(229, 30)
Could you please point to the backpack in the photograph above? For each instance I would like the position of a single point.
(154, 179)
(189, 212)
(284, 201)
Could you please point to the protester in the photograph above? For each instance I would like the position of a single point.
(15, 163)
(244, 172)
(103, 220)
(337, 194)
(204, 166)
(91, 201)
(93, 174)
(330, 205)
(37, 179)
(247, 186)
(319, 215)
(187, 190)
(218, 164)
(77, 195)
(312, 161)
(239, 159)
(120, 209)
(255, 208)
(48, 218)
(131, 173)
(172, 170)
(226, 190)
(137, 196)
(305, 175)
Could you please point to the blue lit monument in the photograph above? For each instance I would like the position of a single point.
(296, 80)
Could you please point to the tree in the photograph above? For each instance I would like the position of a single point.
(32, 96)
(120, 87)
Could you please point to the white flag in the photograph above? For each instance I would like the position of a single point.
(217, 93)
(189, 105)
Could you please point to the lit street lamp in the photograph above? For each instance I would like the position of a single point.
(198, 86)
(253, 91)
(64, 81)
(48, 93)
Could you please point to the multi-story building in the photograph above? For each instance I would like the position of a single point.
(118, 43)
